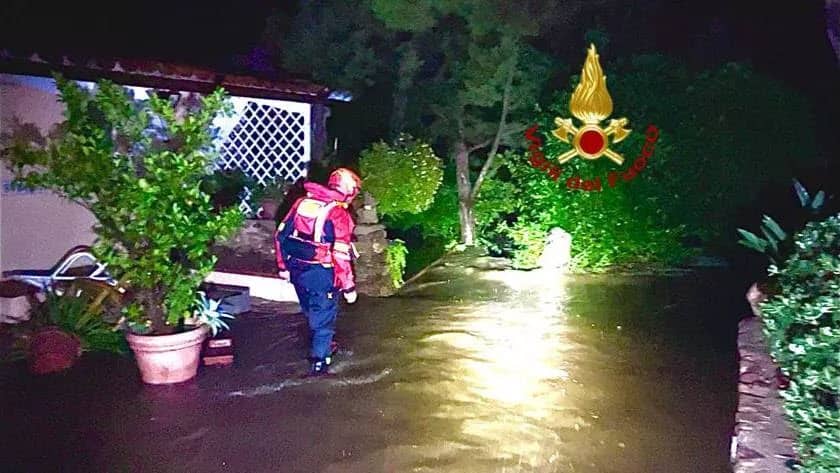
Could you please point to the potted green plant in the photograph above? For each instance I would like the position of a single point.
(209, 312)
(138, 167)
(226, 187)
(70, 320)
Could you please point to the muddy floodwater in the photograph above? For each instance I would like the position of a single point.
(472, 371)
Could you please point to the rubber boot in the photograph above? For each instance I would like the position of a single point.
(320, 367)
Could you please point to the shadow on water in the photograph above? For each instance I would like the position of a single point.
(488, 371)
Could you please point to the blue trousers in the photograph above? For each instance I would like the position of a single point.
(319, 302)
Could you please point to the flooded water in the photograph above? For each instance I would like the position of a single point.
(496, 371)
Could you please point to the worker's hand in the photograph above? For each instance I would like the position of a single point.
(350, 297)
(283, 275)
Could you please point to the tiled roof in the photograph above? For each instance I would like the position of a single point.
(156, 74)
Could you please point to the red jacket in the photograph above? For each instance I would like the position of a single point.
(318, 230)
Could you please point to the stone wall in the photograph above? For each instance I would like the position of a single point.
(763, 438)
(372, 277)
(255, 236)
(251, 250)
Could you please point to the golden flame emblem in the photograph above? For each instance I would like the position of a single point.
(591, 103)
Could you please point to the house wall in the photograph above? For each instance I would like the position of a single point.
(36, 229)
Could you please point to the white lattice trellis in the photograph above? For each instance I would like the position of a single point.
(267, 139)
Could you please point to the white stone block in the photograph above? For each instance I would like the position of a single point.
(558, 250)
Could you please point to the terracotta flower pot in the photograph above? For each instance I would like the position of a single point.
(52, 350)
(165, 359)
(268, 210)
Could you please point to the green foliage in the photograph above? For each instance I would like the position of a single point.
(73, 312)
(716, 145)
(207, 312)
(812, 205)
(775, 244)
(406, 16)
(727, 134)
(481, 17)
(395, 259)
(412, 164)
(771, 245)
(802, 324)
(138, 166)
(225, 187)
(274, 190)
(440, 221)
(615, 226)
(528, 239)
(486, 78)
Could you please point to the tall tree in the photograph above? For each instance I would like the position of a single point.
(486, 81)
(342, 44)
(335, 42)
(459, 73)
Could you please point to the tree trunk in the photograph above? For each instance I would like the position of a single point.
(465, 203)
(152, 305)
(467, 218)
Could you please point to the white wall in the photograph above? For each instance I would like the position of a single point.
(36, 229)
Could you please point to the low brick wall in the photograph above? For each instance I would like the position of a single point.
(763, 438)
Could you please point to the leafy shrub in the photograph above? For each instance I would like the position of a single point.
(77, 312)
(775, 243)
(611, 227)
(802, 324)
(771, 244)
(226, 187)
(403, 177)
(395, 258)
(529, 241)
(138, 167)
(440, 220)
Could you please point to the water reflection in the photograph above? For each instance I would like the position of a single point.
(509, 379)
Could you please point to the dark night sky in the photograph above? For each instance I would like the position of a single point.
(211, 32)
(183, 31)
(785, 39)
(780, 37)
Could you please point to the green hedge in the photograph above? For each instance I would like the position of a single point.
(403, 176)
(802, 324)
(725, 135)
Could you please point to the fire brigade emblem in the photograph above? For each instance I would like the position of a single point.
(591, 104)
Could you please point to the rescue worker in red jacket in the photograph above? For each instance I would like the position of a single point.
(314, 250)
